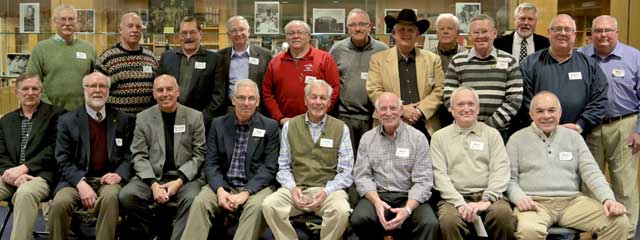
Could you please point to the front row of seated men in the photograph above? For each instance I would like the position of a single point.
(541, 169)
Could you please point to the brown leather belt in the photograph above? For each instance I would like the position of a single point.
(614, 119)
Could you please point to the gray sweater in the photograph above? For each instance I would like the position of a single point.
(553, 166)
(352, 63)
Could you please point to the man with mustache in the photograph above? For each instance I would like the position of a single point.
(194, 67)
(92, 152)
(617, 140)
(471, 172)
(289, 72)
(167, 161)
(131, 68)
(523, 41)
(575, 78)
(393, 173)
(62, 61)
(493, 73)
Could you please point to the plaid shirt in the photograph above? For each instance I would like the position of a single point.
(25, 126)
(236, 175)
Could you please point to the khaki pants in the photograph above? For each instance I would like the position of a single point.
(67, 200)
(607, 143)
(498, 220)
(579, 212)
(205, 206)
(25, 200)
(278, 207)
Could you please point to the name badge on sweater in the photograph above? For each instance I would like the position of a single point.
(575, 76)
(179, 128)
(476, 145)
(254, 61)
(326, 142)
(402, 152)
(308, 79)
(201, 65)
(147, 69)
(81, 55)
(502, 65)
(119, 142)
(618, 72)
(364, 75)
(565, 156)
(257, 132)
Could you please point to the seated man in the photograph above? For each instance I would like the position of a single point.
(548, 165)
(315, 166)
(471, 171)
(242, 158)
(167, 154)
(393, 172)
(26, 154)
(92, 152)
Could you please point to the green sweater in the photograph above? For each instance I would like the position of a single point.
(61, 68)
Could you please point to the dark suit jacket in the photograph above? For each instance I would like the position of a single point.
(261, 162)
(505, 43)
(39, 152)
(256, 72)
(73, 147)
(207, 92)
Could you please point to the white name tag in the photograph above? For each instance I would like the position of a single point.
(565, 156)
(402, 152)
(179, 128)
(201, 65)
(476, 145)
(119, 142)
(326, 142)
(147, 69)
(81, 55)
(364, 75)
(618, 72)
(257, 132)
(575, 76)
(502, 65)
(254, 61)
(308, 79)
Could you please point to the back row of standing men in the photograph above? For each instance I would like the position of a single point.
(413, 74)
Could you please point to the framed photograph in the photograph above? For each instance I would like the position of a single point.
(465, 11)
(16, 63)
(86, 20)
(328, 20)
(267, 18)
(166, 14)
(29, 17)
(394, 13)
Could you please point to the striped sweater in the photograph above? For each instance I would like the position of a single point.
(496, 79)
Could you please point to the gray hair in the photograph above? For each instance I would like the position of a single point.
(306, 26)
(245, 83)
(237, 18)
(26, 76)
(62, 7)
(311, 83)
(540, 94)
(376, 104)
(562, 15)
(482, 17)
(96, 74)
(601, 17)
(444, 16)
(460, 89)
(358, 11)
(132, 14)
(525, 6)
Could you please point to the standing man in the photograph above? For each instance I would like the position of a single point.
(576, 79)
(352, 55)
(26, 154)
(471, 172)
(131, 68)
(92, 152)
(314, 168)
(194, 67)
(393, 173)
(523, 41)
(166, 161)
(241, 60)
(493, 74)
(242, 159)
(62, 61)
(290, 71)
(617, 140)
(413, 74)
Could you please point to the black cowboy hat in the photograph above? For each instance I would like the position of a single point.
(407, 16)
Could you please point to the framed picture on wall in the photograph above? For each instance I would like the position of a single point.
(86, 20)
(267, 18)
(165, 15)
(465, 11)
(29, 17)
(16, 63)
(394, 13)
(328, 20)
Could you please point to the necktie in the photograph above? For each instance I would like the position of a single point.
(99, 116)
(523, 50)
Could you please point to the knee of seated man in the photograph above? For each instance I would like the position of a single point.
(621, 222)
(530, 229)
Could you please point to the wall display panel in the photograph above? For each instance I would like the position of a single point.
(267, 17)
(328, 20)
(16, 63)
(166, 14)
(465, 12)
(86, 20)
(29, 17)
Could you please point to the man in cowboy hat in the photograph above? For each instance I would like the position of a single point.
(413, 74)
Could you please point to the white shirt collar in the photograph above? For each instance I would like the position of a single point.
(93, 113)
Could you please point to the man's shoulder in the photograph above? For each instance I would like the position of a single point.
(260, 50)
(384, 53)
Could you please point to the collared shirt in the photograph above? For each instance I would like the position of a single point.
(517, 44)
(93, 113)
(236, 175)
(187, 66)
(622, 69)
(446, 55)
(469, 161)
(57, 37)
(400, 164)
(238, 67)
(408, 78)
(343, 177)
(25, 130)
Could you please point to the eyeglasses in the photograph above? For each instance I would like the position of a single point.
(245, 98)
(560, 29)
(66, 19)
(479, 33)
(237, 30)
(296, 33)
(603, 30)
(96, 86)
(360, 24)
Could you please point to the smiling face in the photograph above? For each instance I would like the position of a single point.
(359, 27)
(131, 29)
(317, 101)
(405, 35)
(545, 112)
(389, 111)
(166, 93)
(604, 35)
(526, 22)
(562, 34)
(96, 90)
(66, 22)
(238, 33)
(482, 34)
(190, 36)
(245, 101)
(29, 92)
(297, 36)
(464, 108)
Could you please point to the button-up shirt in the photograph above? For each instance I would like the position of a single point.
(238, 67)
(25, 131)
(408, 78)
(236, 175)
(94, 114)
(517, 45)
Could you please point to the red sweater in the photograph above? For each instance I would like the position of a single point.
(284, 81)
